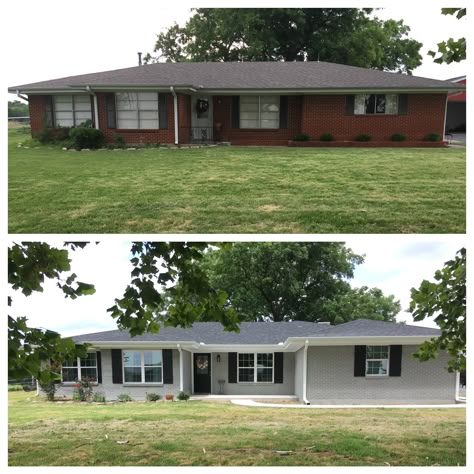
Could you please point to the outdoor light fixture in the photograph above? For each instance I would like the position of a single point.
(218, 358)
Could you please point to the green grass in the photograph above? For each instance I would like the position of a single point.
(203, 433)
(236, 190)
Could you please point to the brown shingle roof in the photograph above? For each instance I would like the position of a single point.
(246, 75)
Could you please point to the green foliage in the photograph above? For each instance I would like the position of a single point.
(18, 109)
(398, 137)
(152, 397)
(124, 398)
(451, 50)
(45, 136)
(119, 140)
(62, 133)
(445, 300)
(301, 137)
(98, 397)
(363, 138)
(326, 137)
(341, 35)
(85, 137)
(85, 389)
(183, 396)
(28, 388)
(49, 388)
(432, 137)
(15, 388)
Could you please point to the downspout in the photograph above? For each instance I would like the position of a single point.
(305, 369)
(175, 103)
(181, 368)
(445, 116)
(96, 110)
(456, 390)
(24, 97)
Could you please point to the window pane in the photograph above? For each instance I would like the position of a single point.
(126, 101)
(90, 360)
(133, 374)
(148, 104)
(149, 124)
(127, 124)
(249, 99)
(63, 106)
(370, 104)
(153, 374)
(90, 372)
(249, 124)
(264, 360)
(82, 103)
(377, 367)
(69, 375)
(245, 375)
(359, 104)
(264, 375)
(148, 114)
(152, 358)
(132, 358)
(270, 104)
(70, 363)
(63, 98)
(64, 122)
(269, 123)
(391, 106)
(246, 360)
(380, 104)
(148, 96)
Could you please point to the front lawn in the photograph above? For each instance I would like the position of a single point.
(236, 190)
(203, 433)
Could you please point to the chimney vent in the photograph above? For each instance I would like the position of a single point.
(139, 59)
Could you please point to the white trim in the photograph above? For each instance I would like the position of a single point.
(255, 368)
(175, 111)
(456, 389)
(79, 375)
(192, 371)
(142, 367)
(305, 373)
(181, 368)
(445, 116)
(387, 359)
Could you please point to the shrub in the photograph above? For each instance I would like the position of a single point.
(397, 137)
(86, 137)
(432, 137)
(49, 388)
(119, 140)
(44, 136)
(169, 396)
(301, 137)
(28, 387)
(124, 397)
(98, 398)
(76, 397)
(15, 388)
(326, 137)
(363, 138)
(62, 133)
(84, 389)
(153, 397)
(182, 396)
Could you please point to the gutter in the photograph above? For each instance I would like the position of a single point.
(24, 97)
(181, 368)
(96, 108)
(175, 104)
(305, 372)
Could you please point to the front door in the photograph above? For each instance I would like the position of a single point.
(202, 373)
(201, 119)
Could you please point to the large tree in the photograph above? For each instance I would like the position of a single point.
(341, 35)
(295, 281)
(445, 300)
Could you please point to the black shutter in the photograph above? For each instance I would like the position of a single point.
(232, 367)
(395, 365)
(167, 366)
(350, 99)
(403, 104)
(162, 101)
(99, 367)
(110, 104)
(49, 111)
(235, 111)
(117, 366)
(284, 111)
(278, 367)
(359, 361)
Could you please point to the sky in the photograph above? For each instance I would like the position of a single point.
(392, 263)
(54, 42)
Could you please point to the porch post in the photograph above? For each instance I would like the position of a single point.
(175, 108)
(181, 368)
(192, 372)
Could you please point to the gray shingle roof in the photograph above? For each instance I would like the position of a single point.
(262, 333)
(247, 75)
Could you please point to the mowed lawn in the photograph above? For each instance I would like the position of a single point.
(236, 190)
(197, 433)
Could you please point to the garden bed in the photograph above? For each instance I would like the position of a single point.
(368, 144)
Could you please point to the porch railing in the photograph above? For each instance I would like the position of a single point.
(201, 135)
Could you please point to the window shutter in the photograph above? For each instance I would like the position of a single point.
(162, 102)
(395, 365)
(284, 111)
(99, 367)
(403, 104)
(167, 366)
(278, 367)
(117, 366)
(235, 111)
(232, 367)
(350, 99)
(359, 361)
(110, 105)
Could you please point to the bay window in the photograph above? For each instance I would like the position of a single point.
(259, 111)
(255, 367)
(137, 110)
(72, 110)
(142, 366)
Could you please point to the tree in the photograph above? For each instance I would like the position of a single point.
(295, 281)
(340, 35)
(18, 109)
(451, 50)
(446, 302)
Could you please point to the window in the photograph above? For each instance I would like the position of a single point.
(259, 111)
(256, 367)
(78, 368)
(142, 366)
(137, 110)
(376, 360)
(370, 104)
(72, 110)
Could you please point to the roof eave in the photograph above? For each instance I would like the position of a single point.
(361, 340)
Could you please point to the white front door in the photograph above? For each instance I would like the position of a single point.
(201, 118)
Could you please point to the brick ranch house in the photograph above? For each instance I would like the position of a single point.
(246, 103)
(359, 362)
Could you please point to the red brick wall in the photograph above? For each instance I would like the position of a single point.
(184, 118)
(325, 114)
(37, 106)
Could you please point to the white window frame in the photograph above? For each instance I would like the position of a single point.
(375, 113)
(255, 367)
(75, 122)
(259, 127)
(137, 110)
(376, 360)
(79, 376)
(142, 366)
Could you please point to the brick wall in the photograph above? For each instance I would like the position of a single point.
(37, 106)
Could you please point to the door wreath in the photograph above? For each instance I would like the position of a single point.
(202, 106)
(202, 363)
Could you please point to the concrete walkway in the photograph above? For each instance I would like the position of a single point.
(252, 403)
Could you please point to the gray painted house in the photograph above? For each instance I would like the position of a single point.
(363, 361)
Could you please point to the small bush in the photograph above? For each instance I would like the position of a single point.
(169, 396)
(28, 388)
(86, 137)
(15, 388)
(98, 397)
(153, 397)
(84, 389)
(76, 397)
(62, 133)
(432, 137)
(119, 140)
(398, 137)
(301, 137)
(182, 396)
(50, 388)
(363, 138)
(326, 137)
(124, 397)
(45, 136)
